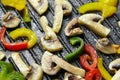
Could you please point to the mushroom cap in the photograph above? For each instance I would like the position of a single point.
(47, 64)
(51, 45)
(10, 21)
(69, 76)
(73, 28)
(105, 46)
(40, 6)
(36, 72)
(115, 65)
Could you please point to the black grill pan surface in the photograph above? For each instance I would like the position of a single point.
(35, 54)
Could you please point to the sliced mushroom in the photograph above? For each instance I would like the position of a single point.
(24, 69)
(50, 42)
(67, 7)
(105, 46)
(93, 22)
(68, 67)
(116, 76)
(58, 16)
(114, 65)
(48, 64)
(2, 55)
(10, 20)
(69, 76)
(48, 58)
(62, 7)
(40, 6)
(73, 28)
(36, 73)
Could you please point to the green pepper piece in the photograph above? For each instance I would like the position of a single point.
(73, 41)
(26, 15)
(15, 76)
(7, 72)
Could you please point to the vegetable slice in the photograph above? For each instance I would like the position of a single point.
(90, 56)
(8, 73)
(24, 32)
(12, 46)
(18, 4)
(24, 69)
(93, 22)
(103, 71)
(74, 54)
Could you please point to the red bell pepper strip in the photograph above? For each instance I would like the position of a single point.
(93, 75)
(90, 56)
(12, 46)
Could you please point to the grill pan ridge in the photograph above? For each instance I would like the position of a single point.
(35, 54)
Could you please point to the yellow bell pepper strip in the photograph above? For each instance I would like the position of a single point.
(12, 46)
(103, 71)
(8, 73)
(26, 15)
(73, 41)
(91, 55)
(107, 7)
(17, 4)
(24, 32)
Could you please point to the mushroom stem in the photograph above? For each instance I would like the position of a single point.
(50, 42)
(36, 73)
(24, 69)
(60, 62)
(49, 33)
(68, 67)
(93, 22)
(58, 16)
(62, 7)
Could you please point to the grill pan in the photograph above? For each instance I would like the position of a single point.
(34, 54)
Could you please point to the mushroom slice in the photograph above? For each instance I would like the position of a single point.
(50, 42)
(115, 65)
(24, 69)
(93, 22)
(69, 76)
(40, 6)
(2, 55)
(36, 73)
(105, 46)
(67, 7)
(73, 28)
(10, 21)
(62, 7)
(60, 62)
(58, 16)
(68, 67)
(48, 64)
(116, 76)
